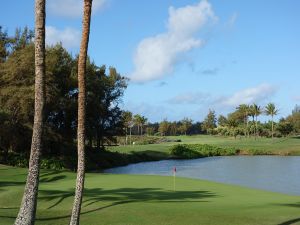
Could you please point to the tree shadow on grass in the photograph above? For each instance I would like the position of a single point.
(290, 222)
(297, 205)
(11, 183)
(43, 179)
(5, 185)
(52, 179)
(121, 196)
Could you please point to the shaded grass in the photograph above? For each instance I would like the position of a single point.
(135, 199)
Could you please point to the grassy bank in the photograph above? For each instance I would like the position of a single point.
(123, 155)
(132, 199)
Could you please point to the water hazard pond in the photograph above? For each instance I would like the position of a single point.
(273, 173)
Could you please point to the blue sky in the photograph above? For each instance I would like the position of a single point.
(184, 57)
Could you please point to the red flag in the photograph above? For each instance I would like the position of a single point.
(174, 169)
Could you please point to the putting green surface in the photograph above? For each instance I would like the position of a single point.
(142, 200)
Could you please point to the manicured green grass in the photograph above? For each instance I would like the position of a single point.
(282, 146)
(135, 199)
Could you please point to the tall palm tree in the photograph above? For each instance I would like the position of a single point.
(26, 215)
(271, 110)
(81, 112)
(127, 120)
(257, 112)
(144, 121)
(138, 121)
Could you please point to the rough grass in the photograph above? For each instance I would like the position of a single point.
(135, 200)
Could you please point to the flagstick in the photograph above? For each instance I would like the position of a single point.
(174, 181)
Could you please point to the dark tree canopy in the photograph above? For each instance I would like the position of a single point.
(105, 89)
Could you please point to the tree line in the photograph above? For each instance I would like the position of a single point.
(243, 121)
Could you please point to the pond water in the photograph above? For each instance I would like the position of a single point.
(273, 173)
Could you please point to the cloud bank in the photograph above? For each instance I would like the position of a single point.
(258, 94)
(69, 37)
(156, 56)
(72, 8)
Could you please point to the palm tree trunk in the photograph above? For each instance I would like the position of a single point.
(130, 136)
(26, 215)
(126, 136)
(245, 123)
(248, 132)
(272, 127)
(255, 127)
(81, 113)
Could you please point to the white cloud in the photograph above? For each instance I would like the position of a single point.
(257, 94)
(296, 98)
(156, 56)
(69, 37)
(232, 20)
(72, 8)
(190, 98)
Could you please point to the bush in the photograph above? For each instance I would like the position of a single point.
(52, 163)
(17, 159)
(139, 140)
(189, 151)
(259, 152)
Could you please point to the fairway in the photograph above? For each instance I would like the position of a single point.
(280, 146)
(131, 199)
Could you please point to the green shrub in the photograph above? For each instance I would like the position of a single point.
(14, 159)
(259, 152)
(52, 163)
(188, 151)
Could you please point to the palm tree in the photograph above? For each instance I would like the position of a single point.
(26, 215)
(271, 110)
(245, 111)
(127, 120)
(257, 112)
(144, 121)
(138, 121)
(81, 112)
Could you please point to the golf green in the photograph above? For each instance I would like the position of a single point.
(140, 199)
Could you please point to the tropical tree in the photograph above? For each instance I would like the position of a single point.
(4, 43)
(294, 119)
(244, 109)
(26, 215)
(285, 127)
(271, 110)
(164, 127)
(81, 112)
(186, 124)
(127, 121)
(222, 121)
(210, 121)
(257, 111)
(138, 119)
(143, 121)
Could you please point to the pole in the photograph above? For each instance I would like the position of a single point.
(174, 179)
